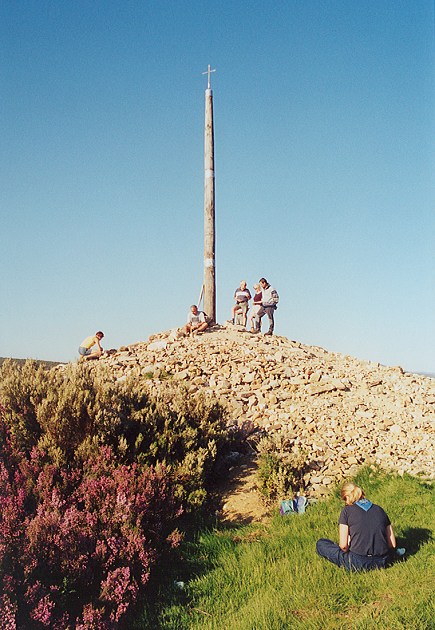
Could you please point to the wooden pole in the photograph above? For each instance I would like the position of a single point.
(209, 207)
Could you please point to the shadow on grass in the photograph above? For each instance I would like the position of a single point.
(413, 538)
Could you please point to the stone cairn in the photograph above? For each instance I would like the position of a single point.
(342, 411)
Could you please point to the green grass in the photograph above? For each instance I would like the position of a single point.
(270, 577)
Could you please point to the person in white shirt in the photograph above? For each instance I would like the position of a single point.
(269, 303)
(196, 321)
(242, 295)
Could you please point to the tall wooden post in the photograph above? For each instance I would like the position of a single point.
(209, 207)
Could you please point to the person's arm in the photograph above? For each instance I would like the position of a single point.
(343, 537)
(99, 345)
(391, 539)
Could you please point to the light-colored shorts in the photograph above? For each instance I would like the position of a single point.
(84, 351)
(242, 306)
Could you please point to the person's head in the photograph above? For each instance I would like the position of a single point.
(350, 493)
(243, 284)
(194, 309)
(99, 334)
(257, 288)
(263, 282)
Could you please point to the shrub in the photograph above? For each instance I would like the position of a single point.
(280, 467)
(22, 388)
(70, 414)
(77, 545)
(186, 434)
(93, 474)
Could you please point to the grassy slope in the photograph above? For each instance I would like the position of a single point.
(256, 578)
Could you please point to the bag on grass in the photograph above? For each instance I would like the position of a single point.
(293, 506)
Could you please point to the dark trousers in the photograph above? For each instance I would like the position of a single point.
(265, 310)
(350, 561)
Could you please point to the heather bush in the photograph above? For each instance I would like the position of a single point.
(71, 413)
(77, 544)
(22, 388)
(186, 434)
(93, 474)
(77, 405)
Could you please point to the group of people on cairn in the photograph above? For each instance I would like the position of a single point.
(264, 302)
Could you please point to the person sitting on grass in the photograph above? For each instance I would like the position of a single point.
(365, 534)
(86, 347)
(196, 321)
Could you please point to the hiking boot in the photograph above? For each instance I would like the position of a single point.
(269, 332)
(255, 332)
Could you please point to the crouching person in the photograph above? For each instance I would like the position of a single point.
(196, 321)
(90, 348)
(365, 534)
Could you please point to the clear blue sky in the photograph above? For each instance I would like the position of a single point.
(324, 138)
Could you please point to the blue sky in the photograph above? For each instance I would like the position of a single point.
(324, 130)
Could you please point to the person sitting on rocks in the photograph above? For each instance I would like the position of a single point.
(85, 348)
(365, 534)
(196, 321)
(242, 295)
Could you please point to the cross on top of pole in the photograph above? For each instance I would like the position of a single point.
(208, 72)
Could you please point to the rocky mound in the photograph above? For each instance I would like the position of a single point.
(340, 410)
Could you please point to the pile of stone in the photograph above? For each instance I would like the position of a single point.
(342, 411)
